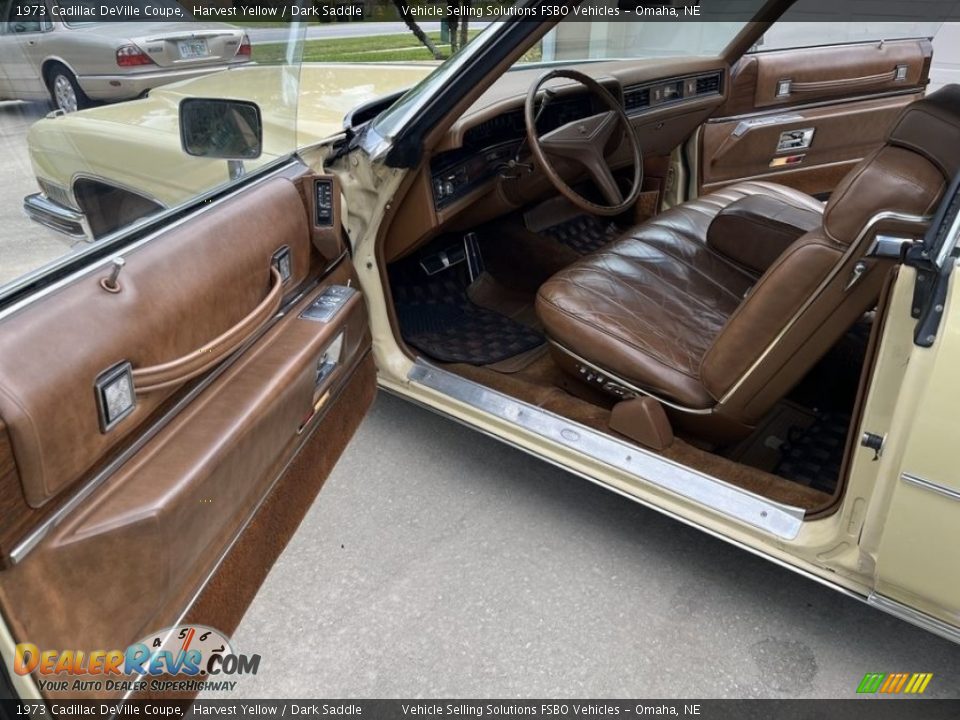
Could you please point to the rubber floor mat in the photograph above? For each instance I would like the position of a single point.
(812, 456)
(437, 318)
(584, 233)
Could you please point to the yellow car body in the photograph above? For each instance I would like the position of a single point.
(135, 146)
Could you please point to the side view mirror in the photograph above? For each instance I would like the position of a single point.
(218, 128)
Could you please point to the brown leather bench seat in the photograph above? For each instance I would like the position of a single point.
(652, 303)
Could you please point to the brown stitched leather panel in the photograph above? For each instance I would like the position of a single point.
(825, 74)
(129, 560)
(844, 134)
(179, 291)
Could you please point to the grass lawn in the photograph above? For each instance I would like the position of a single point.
(376, 48)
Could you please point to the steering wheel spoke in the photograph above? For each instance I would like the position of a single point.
(602, 175)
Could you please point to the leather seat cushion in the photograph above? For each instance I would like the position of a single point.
(647, 307)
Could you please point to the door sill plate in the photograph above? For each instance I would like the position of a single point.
(646, 468)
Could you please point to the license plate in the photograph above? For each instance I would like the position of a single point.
(191, 49)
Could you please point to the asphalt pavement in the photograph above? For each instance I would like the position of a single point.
(437, 562)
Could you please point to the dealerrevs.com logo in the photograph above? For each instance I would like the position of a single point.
(185, 658)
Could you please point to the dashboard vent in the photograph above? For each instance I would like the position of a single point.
(636, 99)
(708, 84)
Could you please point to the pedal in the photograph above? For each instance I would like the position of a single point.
(443, 260)
(471, 247)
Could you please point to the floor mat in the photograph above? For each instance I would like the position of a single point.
(764, 448)
(437, 317)
(813, 455)
(584, 233)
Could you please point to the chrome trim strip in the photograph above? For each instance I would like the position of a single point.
(630, 386)
(33, 538)
(949, 242)
(44, 211)
(782, 521)
(914, 617)
(849, 253)
(815, 105)
(931, 486)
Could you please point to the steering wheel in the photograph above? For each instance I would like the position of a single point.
(584, 141)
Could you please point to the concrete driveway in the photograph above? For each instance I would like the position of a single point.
(444, 563)
(24, 245)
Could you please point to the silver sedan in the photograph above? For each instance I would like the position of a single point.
(46, 51)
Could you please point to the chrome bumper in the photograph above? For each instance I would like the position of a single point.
(45, 211)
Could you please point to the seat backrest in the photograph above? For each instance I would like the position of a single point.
(812, 295)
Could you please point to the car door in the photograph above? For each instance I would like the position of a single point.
(170, 404)
(904, 494)
(803, 109)
(26, 23)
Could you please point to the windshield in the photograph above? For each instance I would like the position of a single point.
(574, 41)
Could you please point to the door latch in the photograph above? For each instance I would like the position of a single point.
(795, 139)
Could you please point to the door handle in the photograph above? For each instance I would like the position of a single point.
(795, 139)
(175, 372)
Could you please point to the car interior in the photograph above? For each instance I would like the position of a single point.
(687, 254)
(681, 253)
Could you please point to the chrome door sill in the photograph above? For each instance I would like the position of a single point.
(781, 521)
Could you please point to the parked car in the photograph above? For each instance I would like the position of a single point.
(77, 62)
(716, 281)
(78, 163)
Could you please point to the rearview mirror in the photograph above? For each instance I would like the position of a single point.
(217, 128)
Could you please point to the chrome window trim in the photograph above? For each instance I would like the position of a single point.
(776, 519)
(930, 486)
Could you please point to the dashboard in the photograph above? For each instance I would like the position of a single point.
(489, 146)
(468, 177)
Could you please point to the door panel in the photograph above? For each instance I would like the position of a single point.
(805, 117)
(843, 135)
(178, 293)
(209, 443)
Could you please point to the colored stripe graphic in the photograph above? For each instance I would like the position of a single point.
(894, 683)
